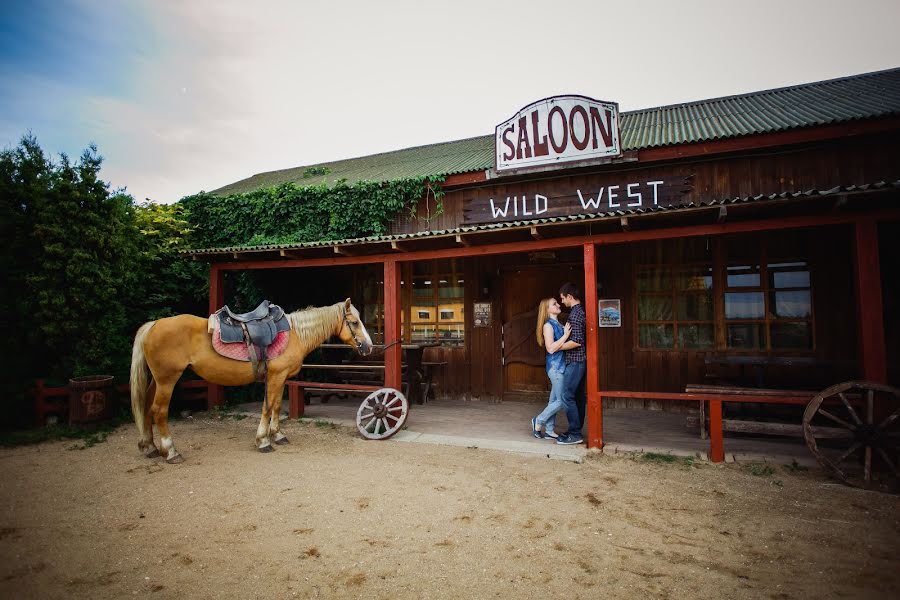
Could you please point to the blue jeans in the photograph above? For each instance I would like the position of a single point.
(574, 395)
(547, 418)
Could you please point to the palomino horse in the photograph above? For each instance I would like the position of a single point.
(163, 349)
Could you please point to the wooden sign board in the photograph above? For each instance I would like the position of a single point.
(515, 203)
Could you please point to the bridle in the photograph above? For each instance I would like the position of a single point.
(359, 342)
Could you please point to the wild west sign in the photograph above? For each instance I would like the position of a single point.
(588, 194)
(557, 131)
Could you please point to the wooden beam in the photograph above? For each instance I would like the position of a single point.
(392, 334)
(594, 409)
(626, 226)
(341, 250)
(290, 254)
(840, 202)
(215, 394)
(723, 214)
(462, 241)
(535, 234)
(773, 224)
(396, 247)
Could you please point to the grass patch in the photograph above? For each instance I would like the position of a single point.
(668, 459)
(323, 423)
(759, 469)
(226, 412)
(91, 435)
(796, 467)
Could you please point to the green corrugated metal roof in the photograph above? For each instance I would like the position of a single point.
(864, 96)
(868, 187)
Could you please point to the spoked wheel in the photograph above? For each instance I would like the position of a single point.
(854, 447)
(382, 414)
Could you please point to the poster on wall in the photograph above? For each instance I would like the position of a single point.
(482, 314)
(611, 313)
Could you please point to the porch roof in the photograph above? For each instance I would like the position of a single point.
(739, 208)
(853, 98)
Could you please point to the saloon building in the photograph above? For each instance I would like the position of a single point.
(751, 238)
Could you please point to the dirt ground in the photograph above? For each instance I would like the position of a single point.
(332, 516)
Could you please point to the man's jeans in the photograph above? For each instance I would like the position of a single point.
(574, 394)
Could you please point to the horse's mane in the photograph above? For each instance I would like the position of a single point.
(316, 322)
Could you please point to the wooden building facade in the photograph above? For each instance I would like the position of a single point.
(753, 237)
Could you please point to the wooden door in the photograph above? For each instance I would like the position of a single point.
(524, 374)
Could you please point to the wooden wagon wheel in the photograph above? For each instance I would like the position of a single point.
(848, 451)
(382, 414)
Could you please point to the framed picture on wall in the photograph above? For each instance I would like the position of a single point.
(610, 311)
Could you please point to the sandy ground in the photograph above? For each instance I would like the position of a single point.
(334, 516)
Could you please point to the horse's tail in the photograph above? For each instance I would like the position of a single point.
(140, 378)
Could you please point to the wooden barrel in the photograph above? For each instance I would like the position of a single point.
(91, 398)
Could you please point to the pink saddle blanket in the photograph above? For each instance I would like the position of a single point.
(238, 350)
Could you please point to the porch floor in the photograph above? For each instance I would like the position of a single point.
(507, 426)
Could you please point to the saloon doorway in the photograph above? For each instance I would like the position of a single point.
(524, 374)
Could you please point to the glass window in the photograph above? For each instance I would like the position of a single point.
(675, 306)
(768, 295)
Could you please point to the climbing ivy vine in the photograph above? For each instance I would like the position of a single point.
(289, 213)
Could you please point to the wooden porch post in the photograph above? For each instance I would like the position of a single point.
(392, 355)
(716, 443)
(869, 309)
(215, 394)
(594, 410)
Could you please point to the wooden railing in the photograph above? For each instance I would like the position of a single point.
(716, 440)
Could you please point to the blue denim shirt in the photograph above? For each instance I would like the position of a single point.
(557, 360)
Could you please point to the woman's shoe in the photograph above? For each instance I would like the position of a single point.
(550, 436)
(535, 431)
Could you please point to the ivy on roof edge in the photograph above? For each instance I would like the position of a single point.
(289, 213)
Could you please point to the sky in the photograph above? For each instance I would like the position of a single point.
(185, 96)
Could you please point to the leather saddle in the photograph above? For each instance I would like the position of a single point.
(257, 328)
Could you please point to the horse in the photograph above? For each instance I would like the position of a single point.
(163, 349)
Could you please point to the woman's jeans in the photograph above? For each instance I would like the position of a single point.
(547, 417)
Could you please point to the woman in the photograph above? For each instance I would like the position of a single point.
(551, 335)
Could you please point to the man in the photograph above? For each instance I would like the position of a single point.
(574, 396)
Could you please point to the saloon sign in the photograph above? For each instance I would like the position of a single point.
(557, 130)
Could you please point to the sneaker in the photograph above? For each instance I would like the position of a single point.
(570, 438)
(535, 431)
(550, 436)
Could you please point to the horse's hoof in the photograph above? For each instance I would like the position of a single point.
(267, 449)
(152, 453)
(175, 460)
(283, 441)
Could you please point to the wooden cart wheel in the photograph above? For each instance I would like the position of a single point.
(853, 440)
(382, 414)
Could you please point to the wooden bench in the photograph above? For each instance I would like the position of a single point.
(297, 390)
(745, 394)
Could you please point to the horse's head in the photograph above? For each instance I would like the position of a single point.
(353, 332)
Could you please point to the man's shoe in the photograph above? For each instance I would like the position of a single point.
(569, 439)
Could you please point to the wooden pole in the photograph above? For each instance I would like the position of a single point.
(869, 309)
(392, 355)
(594, 411)
(215, 394)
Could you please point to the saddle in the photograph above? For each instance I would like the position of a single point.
(257, 329)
